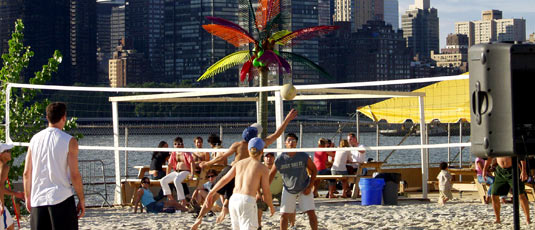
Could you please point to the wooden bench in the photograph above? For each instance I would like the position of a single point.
(349, 178)
(143, 169)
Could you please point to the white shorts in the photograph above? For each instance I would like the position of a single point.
(6, 219)
(306, 202)
(243, 212)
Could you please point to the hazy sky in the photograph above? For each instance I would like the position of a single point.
(451, 11)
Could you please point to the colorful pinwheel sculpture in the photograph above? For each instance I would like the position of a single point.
(266, 18)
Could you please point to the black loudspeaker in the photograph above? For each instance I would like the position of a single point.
(502, 77)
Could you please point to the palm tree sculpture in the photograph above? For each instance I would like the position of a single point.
(263, 55)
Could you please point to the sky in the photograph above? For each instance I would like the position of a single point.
(451, 11)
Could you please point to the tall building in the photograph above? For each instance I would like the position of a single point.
(117, 26)
(144, 27)
(391, 13)
(366, 10)
(455, 55)
(325, 16)
(304, 13)
(342, 11)
(492, 27)
(421, 29)
(532, 38)
(104, 44)
(83, 42)
(10, 10)
(189, 49)
(127, 66)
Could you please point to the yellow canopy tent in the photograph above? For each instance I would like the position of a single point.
(447, 101)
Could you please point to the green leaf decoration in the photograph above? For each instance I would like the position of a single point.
(301, 59)
(280, 34)
(225, 63)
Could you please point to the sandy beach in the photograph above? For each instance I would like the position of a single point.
(465, 213)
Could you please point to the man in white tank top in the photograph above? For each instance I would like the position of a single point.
(51, 167)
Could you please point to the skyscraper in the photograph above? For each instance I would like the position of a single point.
(83, 42)
(10, 10)
(420, 29)
(117, 27)
(304, 13)
(325, 16)
(492, 27)
(342, 10)
(144, 27)
(366, 10)
(104, 44)
(189, 49)
(391, 14)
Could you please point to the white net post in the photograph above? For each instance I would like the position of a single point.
(423, 140)
(115, 118)
(8, 94)
(279, 113)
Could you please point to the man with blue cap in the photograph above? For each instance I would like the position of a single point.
(240, 149)
(251, 175)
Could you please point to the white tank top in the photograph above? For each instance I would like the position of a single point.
(51, 182)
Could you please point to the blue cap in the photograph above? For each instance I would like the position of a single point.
(249, 133)
(257, 143)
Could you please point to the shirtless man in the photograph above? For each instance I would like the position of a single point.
(503, 182)
(251, 175)
(5, 156)
(240, 149)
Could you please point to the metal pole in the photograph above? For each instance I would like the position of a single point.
(449, 141)
(300, 134)
(221, 132)
(460, 148)
(126, 152)
(516, 213)
(8, 98)
(358, 125)
(279, 112)
(377, 136)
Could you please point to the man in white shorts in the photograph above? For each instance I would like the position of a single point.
(250, 175)
(297, 183)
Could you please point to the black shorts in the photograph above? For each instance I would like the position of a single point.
(228, 188)
(58, 216)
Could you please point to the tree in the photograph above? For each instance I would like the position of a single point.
(266, 20)
(26, 109)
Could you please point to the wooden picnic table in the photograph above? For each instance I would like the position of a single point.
(142, 169)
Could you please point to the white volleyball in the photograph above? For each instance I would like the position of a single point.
(288, 91)
(258, 127)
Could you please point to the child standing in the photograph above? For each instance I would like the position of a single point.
(444, 182)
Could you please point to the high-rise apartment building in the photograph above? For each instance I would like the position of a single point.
(492, 27)
(117, 27)
(342, 10)
(304, 13)
(127, 66)
(366, 10)
(391, 13)
(83, 42)
(455, 55)
(325, 16)
(104, 45)
(421, 29)
(144, 27)
(189, 49)
(10, 11)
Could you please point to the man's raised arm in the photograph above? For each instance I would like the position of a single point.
(233, 148)
(273, 137)
(27, 179)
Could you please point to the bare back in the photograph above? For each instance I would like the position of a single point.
(504, 162)
(249, 175)
(241, 151)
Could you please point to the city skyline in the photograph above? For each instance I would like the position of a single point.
(451, 11)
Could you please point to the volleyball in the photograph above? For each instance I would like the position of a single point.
(288, 91)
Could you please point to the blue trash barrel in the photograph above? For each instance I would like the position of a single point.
(371, 190)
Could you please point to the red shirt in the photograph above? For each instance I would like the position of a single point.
(319, 160)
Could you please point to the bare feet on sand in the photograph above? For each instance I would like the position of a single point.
(196, 225)
(221, 217)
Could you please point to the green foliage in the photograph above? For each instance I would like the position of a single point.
(25, 109)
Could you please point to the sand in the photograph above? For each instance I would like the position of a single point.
(408, 214)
